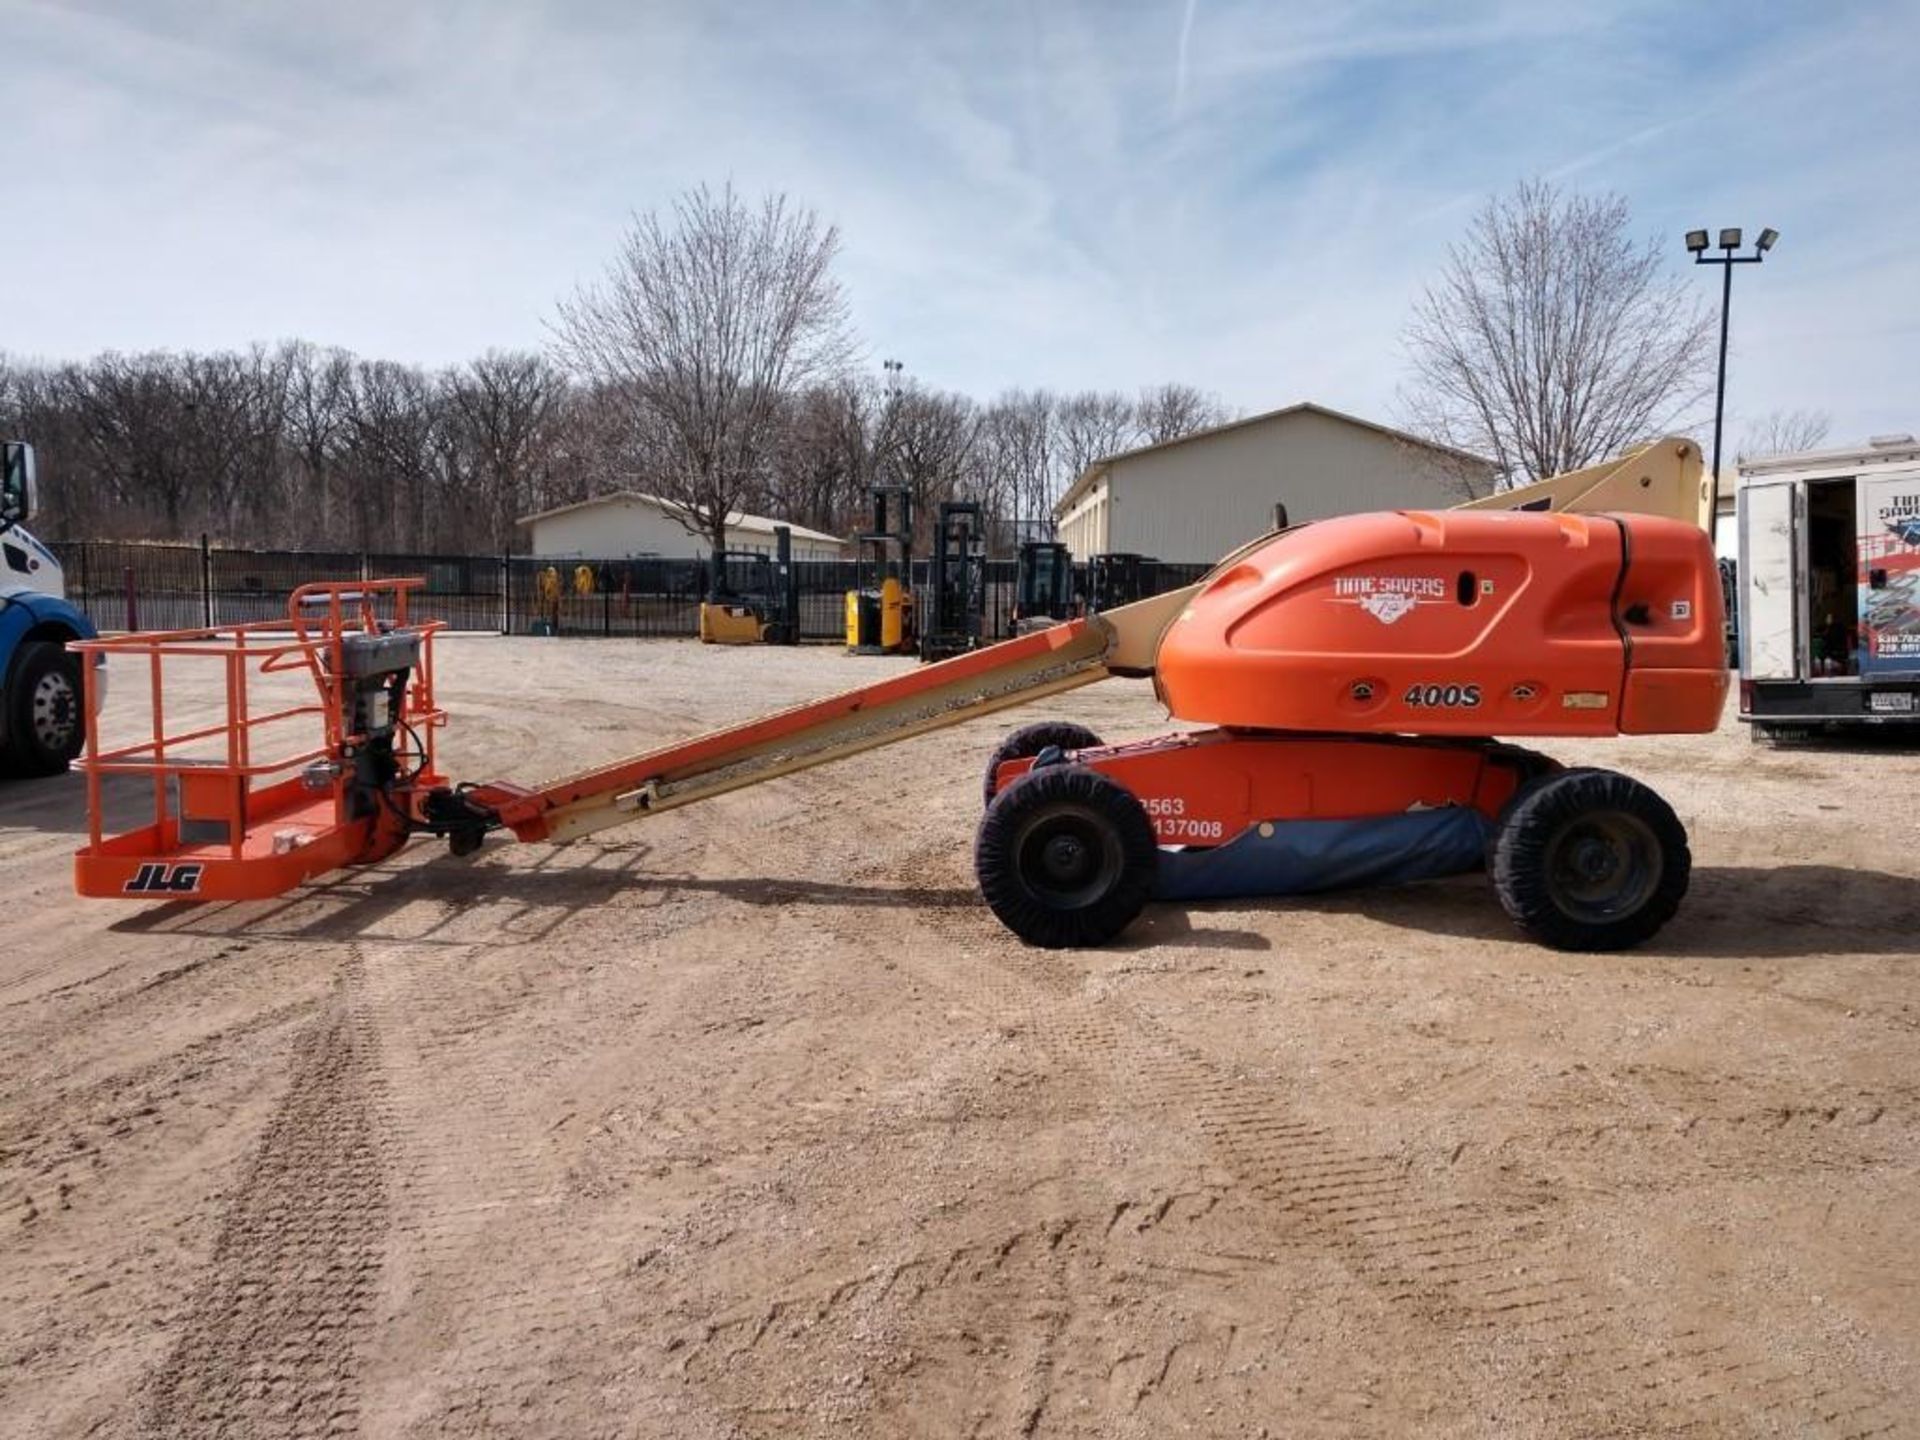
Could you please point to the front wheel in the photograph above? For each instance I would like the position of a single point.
(1029, 741)
(1590, 860)
(45, 727)
(1067, 857)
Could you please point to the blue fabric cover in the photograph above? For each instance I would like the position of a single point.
(1302, 856)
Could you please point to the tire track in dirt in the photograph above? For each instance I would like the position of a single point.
(270, 1343)
(59, 1127)
(1500, 1279)
(487, 1270)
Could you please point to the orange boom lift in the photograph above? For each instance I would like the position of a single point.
(1349, 676)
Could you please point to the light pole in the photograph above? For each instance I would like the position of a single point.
(1726, 260)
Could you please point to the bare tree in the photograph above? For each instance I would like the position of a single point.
(391, 460)
(824, 454)
(501, 407)
(231, 429)
(1019, 451)
(1785, 432)
(1552, 339)
(1167, 412)
(1091, 426)
(318, 384)
(930, 447)
(708, 319)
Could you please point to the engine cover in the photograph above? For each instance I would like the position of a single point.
(1458, 623)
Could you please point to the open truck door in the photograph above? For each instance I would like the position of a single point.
(1770, 590)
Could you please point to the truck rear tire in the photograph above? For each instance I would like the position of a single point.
(1590, 860)
(1067, 857)
(1029, 740)
(45, 727)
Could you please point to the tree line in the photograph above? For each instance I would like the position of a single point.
(713, 363)
(296, 446)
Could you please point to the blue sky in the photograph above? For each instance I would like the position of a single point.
(1246, 197)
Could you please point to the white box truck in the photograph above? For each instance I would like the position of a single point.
(1829, 589)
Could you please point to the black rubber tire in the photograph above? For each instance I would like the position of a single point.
(45, 726)
(1590, 860)
(1030, 740)
(1067, 857)
(1534, 769)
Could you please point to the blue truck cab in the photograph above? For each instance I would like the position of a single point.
(42, 725)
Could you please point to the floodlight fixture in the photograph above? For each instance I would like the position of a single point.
(1726, 260)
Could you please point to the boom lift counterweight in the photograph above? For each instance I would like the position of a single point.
(1350, 673)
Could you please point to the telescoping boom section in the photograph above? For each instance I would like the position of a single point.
(1348, 677)
(980, 682)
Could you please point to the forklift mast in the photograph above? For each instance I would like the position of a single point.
(956, 617)
(880, 618)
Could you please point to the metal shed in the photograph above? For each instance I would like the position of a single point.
(1200, 496)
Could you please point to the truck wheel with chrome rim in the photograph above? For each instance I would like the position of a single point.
(45, 728)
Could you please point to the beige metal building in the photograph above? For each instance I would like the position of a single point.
(628, 525)
(1196, 498)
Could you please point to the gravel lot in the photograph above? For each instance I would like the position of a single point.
(753, 1121)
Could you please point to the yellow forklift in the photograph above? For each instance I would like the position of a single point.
(880, 618)
(753, 598)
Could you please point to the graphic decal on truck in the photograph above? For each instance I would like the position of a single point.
(1889, 580)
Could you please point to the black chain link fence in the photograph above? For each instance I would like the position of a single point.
(125, 585)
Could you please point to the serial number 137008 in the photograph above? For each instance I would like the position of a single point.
(1170, 821)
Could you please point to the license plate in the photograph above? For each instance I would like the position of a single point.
(1891, 702)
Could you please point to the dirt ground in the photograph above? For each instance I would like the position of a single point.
(754, 1122)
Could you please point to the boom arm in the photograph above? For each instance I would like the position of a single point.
(1028, 668)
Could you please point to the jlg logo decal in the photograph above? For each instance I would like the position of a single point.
(160, 879)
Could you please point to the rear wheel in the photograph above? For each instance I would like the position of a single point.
(45, 729)
(1029, 740)
(1590, 860)
(1067, 857)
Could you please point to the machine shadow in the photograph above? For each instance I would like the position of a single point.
(445, 901)
(1731, 911)
(1161, 926)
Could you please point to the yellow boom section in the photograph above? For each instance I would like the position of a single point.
(1662, 478)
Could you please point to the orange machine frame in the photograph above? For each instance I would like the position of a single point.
(247, 822)
(1207, 787)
